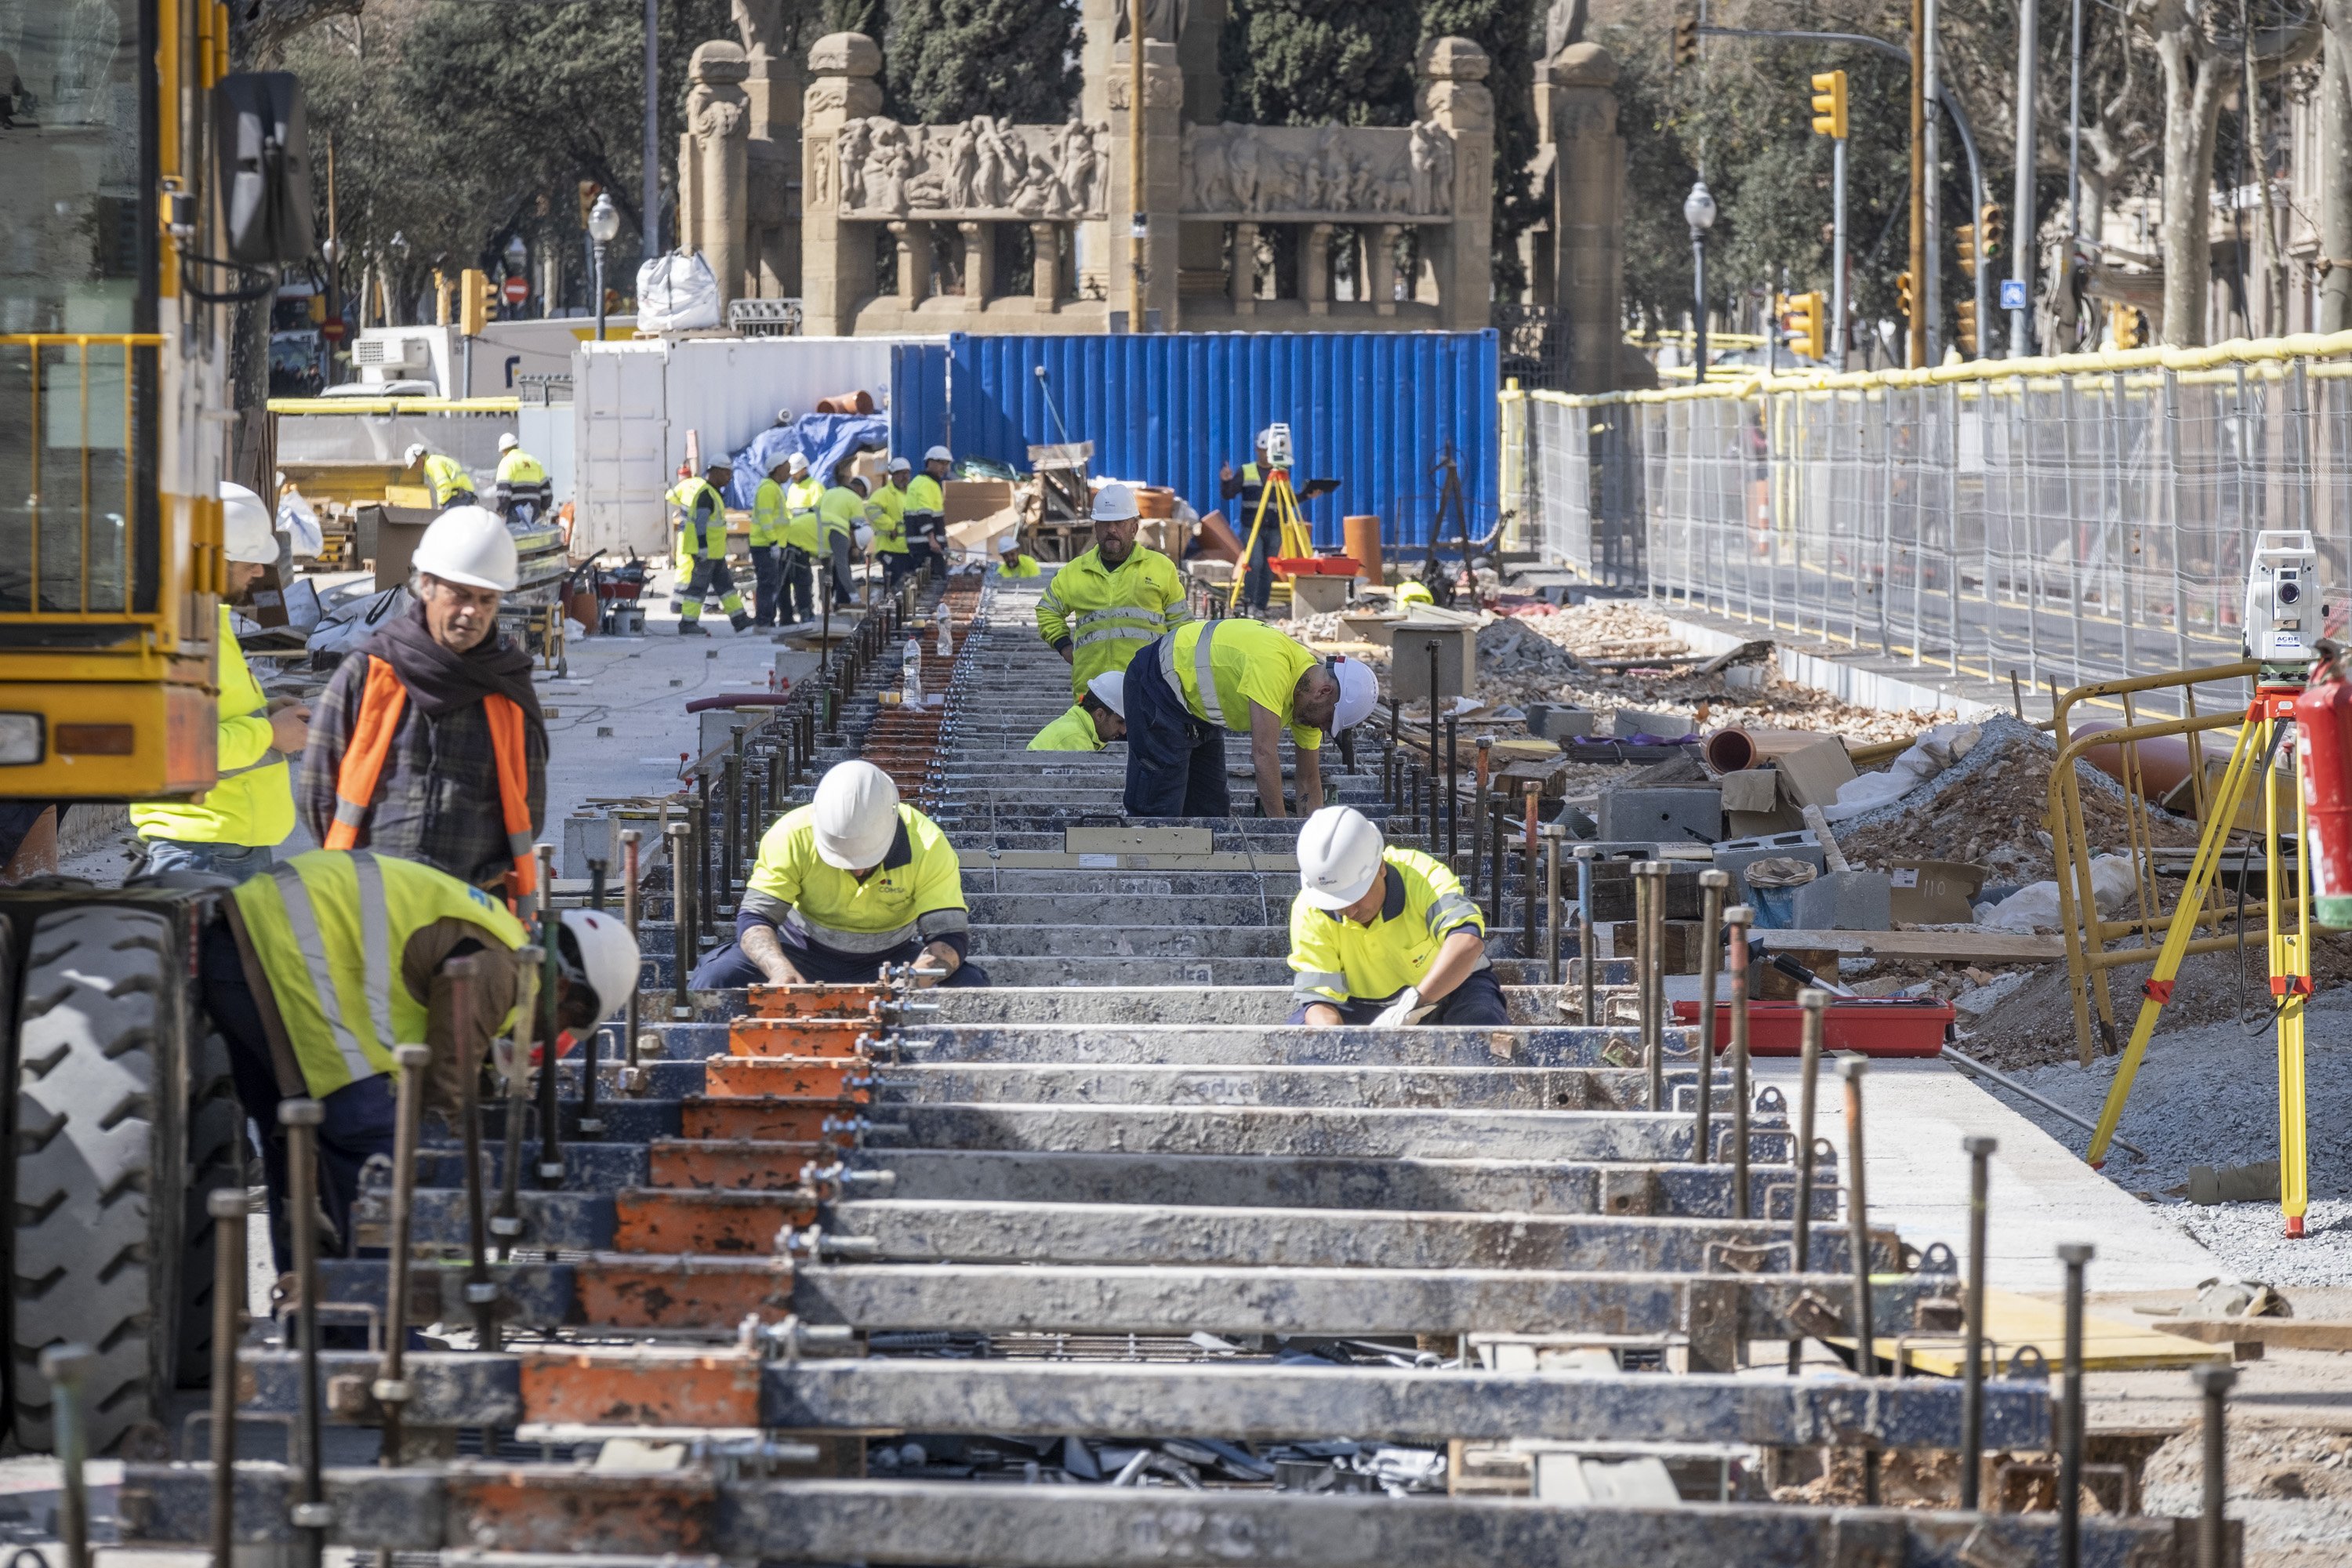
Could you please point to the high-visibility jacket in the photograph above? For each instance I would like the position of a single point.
(1334, 958)
(1106, 616)
(449, 478)
(801, 498)
(1245, 662)
(520, 469)
(701, 519)
(253, 804)
(840, 512)
(328, 928)
(1022, 566)
(927, 508)
(382, 701)
(1073, 731)
(888, 509)
(917, 891)
(767, 515)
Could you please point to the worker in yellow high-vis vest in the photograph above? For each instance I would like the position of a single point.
(766, 538)
(927, 523)
(889, 511)
(314, 973)
(701, 508)
(230, 829)
(803, 539)
(1103, 607)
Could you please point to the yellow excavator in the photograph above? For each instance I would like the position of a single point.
(147, 191)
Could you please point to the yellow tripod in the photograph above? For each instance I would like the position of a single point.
(1297, 540)
(2268, 719)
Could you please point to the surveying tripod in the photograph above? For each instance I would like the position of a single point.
(1296, 541)
(2268, 719)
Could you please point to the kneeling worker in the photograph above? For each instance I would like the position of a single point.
(1383, 936)
(1098, 718)
(845, 884)
(314, 971)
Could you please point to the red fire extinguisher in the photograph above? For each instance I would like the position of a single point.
(2323, 739)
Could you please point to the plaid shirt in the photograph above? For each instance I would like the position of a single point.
(438, 798)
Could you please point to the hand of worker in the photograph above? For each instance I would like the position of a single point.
(1399, 1012)
(289, 729)
(938, 956)
(1226, 470)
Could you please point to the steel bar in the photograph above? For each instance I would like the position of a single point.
(1647, 895)
(506, 1225)
(226, 1207)
(1532, 794)
(65, 1369)
(300, 1118)
(1433, 706)
(1814, 1000)
(1494, 810)
(1980, 1151)
(1711, 889)
(631, 899)
(549, 1164)
(1551, 905)
(391, 1389)
(681, 922)
(1736, 919)
(2075, 1256)
(1452, 784)
(1857, 1208)
(2214, 1385)
(1588, 951)
(481, 1294)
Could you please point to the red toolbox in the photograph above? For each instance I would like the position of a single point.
(1872, 1025)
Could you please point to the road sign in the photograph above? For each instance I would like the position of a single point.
(518, 289)
(2012, 294)
(332, 329)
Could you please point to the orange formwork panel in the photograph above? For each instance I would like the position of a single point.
(734, 1163)
(800, 1036)
(642, 1291)
(787, 1078)
(634, 1514)
(640, 1386)
(814, 1001)
(699, 1219)
(771, 1119)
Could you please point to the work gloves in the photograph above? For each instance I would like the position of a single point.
(1406, 1009)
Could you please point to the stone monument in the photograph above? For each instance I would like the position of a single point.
(1577, 260)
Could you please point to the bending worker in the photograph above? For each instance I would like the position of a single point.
(926, 506)
(1103, 607)
(445, 476)
(844, 885)
(765, 536)
(428, 743)
(839, 514)
(523, 494)
(1098, 719)
(1010, 562)
(802, 495)
(1186, 689)
(702, 528)
(313, 972)
(230, 829)
(1383, 936)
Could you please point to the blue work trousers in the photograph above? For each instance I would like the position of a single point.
(1175, 763)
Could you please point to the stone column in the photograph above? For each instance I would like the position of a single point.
(1045, 265)
(711, 154)
(1315, 270)
(836, 258)
(773, 169)
(914, 243)
(1161, 196)
(1244, 269)
(1588, 214)
(1381, 272)
(978, 264)
(1452, 94)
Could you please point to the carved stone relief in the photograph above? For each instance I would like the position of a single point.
(982, 168)
(1291, 172)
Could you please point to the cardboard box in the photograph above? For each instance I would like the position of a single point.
(1934, 892)
(1751, 789)
(968, 500)
(1809, 775)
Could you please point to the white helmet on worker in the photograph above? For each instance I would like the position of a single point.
(508, 441)
(864, 535)
(246, 532)
(1338, 856)
(797, 463)
(608, 958)
(415, 455)
(1360, 690)
(939, 455)
(857, 812)
(1109, 689)
(469, 544)
(1115, 502)
(900, 466)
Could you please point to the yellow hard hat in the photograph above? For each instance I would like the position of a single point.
(1413, 593)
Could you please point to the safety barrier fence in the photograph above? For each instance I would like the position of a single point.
(2071, 521)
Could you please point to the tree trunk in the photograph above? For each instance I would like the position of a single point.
(2336, 171)
(2192, 108)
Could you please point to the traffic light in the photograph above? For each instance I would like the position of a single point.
(1685, 40)
(2129, 324)
(1967, 336)
(478, 301)
(1829, 104)
(1992, 232)
(1965, 237)
(1902, 295)
(1809, 324)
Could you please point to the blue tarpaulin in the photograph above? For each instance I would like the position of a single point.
(824, 439)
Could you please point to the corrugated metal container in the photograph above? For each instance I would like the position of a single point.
(1374, 410)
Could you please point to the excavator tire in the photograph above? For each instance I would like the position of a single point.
(100, 1108)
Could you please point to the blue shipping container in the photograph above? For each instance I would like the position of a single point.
(918, 399)
(1374, 410)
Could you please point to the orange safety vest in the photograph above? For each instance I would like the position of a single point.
(381, 705)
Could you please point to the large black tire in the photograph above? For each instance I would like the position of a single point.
(100, 1099)
(216, 1147)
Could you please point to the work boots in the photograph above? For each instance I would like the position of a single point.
(739, 620)
(692, 629)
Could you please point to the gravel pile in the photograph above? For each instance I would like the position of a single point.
(2290, 1487)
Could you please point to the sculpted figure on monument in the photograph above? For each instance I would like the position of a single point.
(852, 147)
(1081, 164)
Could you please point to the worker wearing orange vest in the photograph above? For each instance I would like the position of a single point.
(427, 744)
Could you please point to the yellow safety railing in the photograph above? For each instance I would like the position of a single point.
(83, 458)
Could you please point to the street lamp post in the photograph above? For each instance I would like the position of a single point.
(332, 253)
(1698, 211)
(603, 227)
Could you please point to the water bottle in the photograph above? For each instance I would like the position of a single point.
(910, 674)
(947, 640)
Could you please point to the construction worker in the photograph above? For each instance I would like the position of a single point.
(230, 829)
(428, 743)
(1111, 600)
(702, 525)
(1098, 719)
(927, 523)
(766, 537)
(1412, 592)
(1248, 488)
(1384, 936)
(447, 479)
(1010, 562)
(839, 514)
(1188, 687)
(312, 973)
(523, 495)
(889, 511)
(844, 885)
(803, 539)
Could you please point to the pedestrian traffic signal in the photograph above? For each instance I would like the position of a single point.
(1992, 232)
(1967, 307)
(1685, 40)
(1902, 295)
(1808, 322)
(478, 301)
(1965, 237)
(2129, 324)
(1829, 104)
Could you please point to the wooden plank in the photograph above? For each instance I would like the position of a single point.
(2109, 1344)
(2281, 1333)
(1954, 946)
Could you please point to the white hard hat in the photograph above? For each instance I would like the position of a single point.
(508, 442)
(469, 544)
(1266, 436)
(864, 535)
(797, 463)
(1115, 503)
(1360, 688)
(1109, 689)
(857, 809)
(608, 957)
(1005, 543)
(413, 456)
(1339, 854)
(900, 466)
(246, 532)
(939, 455)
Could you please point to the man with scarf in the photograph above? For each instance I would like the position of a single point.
(427, 744)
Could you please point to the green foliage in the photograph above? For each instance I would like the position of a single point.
(1320, 62)
(854, 17)
(1509, 31)
(950, 59)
